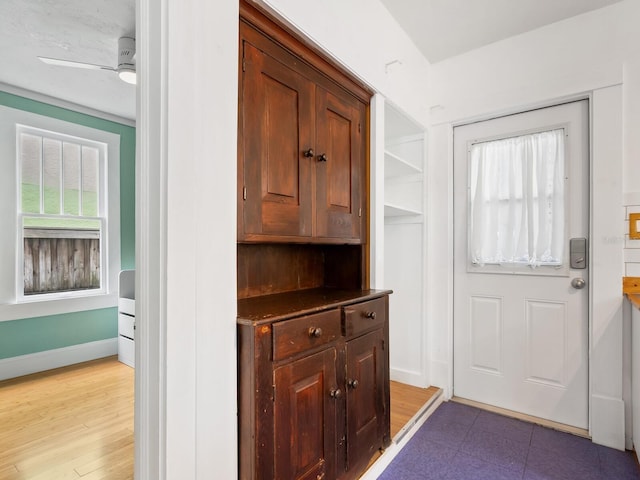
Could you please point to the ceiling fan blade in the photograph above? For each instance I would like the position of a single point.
(70, 63)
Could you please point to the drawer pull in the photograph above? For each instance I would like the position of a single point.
(371, 315)
(353, 383)
(315, 332)
(335, 393)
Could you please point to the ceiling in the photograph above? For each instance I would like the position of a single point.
(88, 31)
(445, 28)
(80, 30)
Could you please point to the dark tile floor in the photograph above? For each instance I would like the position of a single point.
(459, 442)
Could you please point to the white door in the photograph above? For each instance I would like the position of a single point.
(521, 210)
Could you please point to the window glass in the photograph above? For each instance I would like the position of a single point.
(60, 217)
(90, 167)
(52, 164)
(71, 158)
(30, 160)
(517, 200)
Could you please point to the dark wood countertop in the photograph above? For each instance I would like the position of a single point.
(270, 308)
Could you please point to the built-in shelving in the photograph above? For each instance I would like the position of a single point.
(391, 210)
(396, 166)
(405, 243)
(403, 165)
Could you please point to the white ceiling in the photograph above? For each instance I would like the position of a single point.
(81, 30)
(88, 31)
(445, 28)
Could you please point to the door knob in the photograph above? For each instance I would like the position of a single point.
(322, 157)
(308, 152)
(335, 393)
(578, 283)
(353, 383)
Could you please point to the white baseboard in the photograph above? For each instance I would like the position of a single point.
(409, 377)
(60, 357)
(607, 421)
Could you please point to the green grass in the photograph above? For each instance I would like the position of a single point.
(31, 202)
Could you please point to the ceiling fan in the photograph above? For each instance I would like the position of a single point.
(126, 68)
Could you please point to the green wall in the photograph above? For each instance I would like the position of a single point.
(31, 335)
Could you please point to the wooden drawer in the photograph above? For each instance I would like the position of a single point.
(303, 333)
(364, 316)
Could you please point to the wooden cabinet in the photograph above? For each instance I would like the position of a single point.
(304, 417)
(301, 149)
(366, 374)
(314, 383)
(313, 368)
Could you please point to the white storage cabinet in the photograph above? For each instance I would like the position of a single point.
(126, 317)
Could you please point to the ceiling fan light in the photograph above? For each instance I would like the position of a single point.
(127, 75)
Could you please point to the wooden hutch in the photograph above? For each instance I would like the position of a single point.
(313, 362)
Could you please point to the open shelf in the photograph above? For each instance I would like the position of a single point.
(396, 166)
(394, 210)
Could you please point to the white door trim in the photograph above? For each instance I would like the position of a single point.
(606, 406)
(151, 235)
(186, 388)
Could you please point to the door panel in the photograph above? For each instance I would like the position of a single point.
(305, 417)
(338, 178)
(520, 327)
(278, 127)
(546, 324)
(486, 334)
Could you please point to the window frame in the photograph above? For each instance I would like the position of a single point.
(11, 279)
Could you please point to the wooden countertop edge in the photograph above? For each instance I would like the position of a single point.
(315, 307)
(631, 288)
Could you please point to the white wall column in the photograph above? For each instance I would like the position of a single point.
(607, 406)
(186, 240)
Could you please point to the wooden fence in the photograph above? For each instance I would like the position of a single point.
(59, 260)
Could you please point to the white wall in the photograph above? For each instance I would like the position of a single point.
(582, 55)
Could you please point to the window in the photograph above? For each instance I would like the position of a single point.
(90, 213)
(517, 196)
(61, 214)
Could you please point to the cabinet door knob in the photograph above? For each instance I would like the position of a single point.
(352, 383)
(308, 152)
(371, 315)
(335, 393)
(315, 332)
(322, 157)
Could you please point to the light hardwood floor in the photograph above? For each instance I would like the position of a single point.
(77, 422)
(406, 400)
(69, 423)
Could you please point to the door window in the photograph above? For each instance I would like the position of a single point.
(516, 200)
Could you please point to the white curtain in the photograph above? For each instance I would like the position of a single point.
(517, 211)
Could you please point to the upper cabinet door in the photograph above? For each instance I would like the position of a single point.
(340, 127)
(277, 127)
